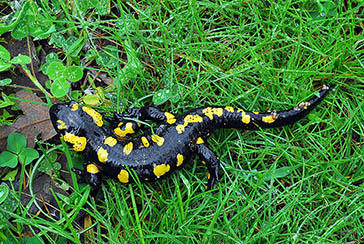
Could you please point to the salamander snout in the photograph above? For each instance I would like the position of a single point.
(65, 117)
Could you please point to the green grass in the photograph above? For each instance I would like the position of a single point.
(297, 184)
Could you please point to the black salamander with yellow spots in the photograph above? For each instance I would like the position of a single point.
(110, 152)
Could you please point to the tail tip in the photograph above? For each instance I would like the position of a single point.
(326, 86)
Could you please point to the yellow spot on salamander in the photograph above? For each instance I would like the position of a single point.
(304, 105)
(180, 129)
(102, 154)
(127, 130)
(74, 107)
(229, 109)
(61, 125)
(123, 176)
(208, 176)
(157, 139)
(94, 115)
(245, 118)
(190, 118)
(170, 118)
(119, 132)
(79, 142)
(209, 112)
(92, 169)
(255, 112)
(161, 169)
(128, 148)
(199, 141)
(145, 141)
(179, 159)
(111, 141)
(203, 162)
(268, 119)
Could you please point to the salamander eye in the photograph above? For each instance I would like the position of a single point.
(70, 104)
(54, 109)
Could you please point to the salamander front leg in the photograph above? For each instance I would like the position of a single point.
(91, 175)
(212, 163)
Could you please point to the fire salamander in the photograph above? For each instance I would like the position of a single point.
(111, 152)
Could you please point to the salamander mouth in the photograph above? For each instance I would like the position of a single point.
(54, 111)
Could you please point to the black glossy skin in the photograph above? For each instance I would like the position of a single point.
(157, 160)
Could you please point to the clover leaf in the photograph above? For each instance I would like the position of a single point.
(32, 23)
(6, 63)
(61, 76)
(17, 152)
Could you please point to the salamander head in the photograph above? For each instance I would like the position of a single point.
(68, 117)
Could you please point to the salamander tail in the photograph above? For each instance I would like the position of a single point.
(240, 119)
(286, 117)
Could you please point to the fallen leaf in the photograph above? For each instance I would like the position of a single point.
(35, 121)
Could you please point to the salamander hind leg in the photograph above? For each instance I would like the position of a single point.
(211, 160)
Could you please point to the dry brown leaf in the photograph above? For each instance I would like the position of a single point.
(35, 121)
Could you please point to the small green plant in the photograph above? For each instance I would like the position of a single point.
(6, 62)
(170, 93)
(8, 204)
(11, 20)
(17, 152)
(32, 23)
(50, 58)
(5, 118)
(5, 101)
(4, 191)
(108, 57)
(50, 164)
(61, 76)
(71, 45)
(5, 82)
